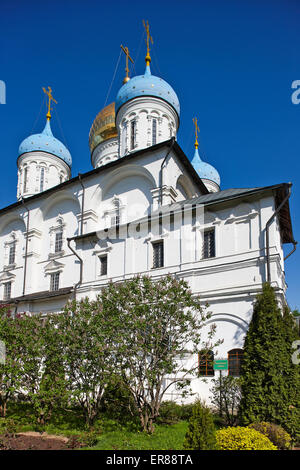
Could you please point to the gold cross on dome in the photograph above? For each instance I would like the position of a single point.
(148, 40)
(126, 52)
(196, 131)
(50, 98)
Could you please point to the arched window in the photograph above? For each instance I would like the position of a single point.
(206, 363)
(235, 359)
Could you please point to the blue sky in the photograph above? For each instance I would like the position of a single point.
(230, 62)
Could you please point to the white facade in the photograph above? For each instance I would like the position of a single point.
(145, 121)
(39, 171)
(63, 241)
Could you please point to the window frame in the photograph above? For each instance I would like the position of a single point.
(103, 272)
(132, 134)
(208, 250)
(58, 242)
(12, 253)
(154, 130)
(54, 281)
(7, 294)
(206, 363)
(42, 178)
(25, 179)
(236, 355)
(159, 261)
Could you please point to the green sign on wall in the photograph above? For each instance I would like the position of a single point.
(221, 364)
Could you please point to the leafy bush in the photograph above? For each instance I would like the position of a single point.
(275, 433)
(226, 396)
(169, 413)
(201, 434)
(118, 404)
(186, 411)
(239, 438)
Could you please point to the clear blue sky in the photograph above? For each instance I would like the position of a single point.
(231, 63)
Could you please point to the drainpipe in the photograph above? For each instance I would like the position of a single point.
(161, 170)
(82, 203)
(291, 252)
(81, 266)
(26, 246)
(267, 233)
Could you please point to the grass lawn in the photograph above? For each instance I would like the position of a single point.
(111, 435)
(164, 438)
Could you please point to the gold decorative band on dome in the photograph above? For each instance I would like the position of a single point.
(103, 127)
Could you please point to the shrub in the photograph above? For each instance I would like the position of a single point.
(201, 431)
(187, 411)
(118, 404)
(226, 396)
(10, 428)
(239, 438)
(169, 413)
(275, 433)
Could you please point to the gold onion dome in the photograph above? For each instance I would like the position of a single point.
(103, 127)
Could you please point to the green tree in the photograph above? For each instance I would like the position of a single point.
(51, 391)
(86, 340)
(156, 324)
(201, 434)
(266, 372)
(291, 419)
(20, 371)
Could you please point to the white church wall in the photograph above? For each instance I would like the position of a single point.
(56, 171)
(142, 110)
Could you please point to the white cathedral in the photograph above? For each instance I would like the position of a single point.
(145, 208)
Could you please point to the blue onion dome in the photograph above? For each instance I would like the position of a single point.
(205, 170)
(147, 85)
(46, 142)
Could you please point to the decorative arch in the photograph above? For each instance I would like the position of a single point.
(126, 171)
(183, 185)
(50, 202)
(8, 220)
(230, 318)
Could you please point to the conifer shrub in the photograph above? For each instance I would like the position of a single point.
(201, 434)
(277, 435)
(270, 381)
(242, 438)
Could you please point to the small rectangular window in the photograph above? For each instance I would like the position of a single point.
(58, 242)
(132, 135)
(7, 291)
(12, 254)
(42, 179)
(54, 281)
(209, 244)
(25, 180)
(158, 254)
(154, 131)
(103, 265)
